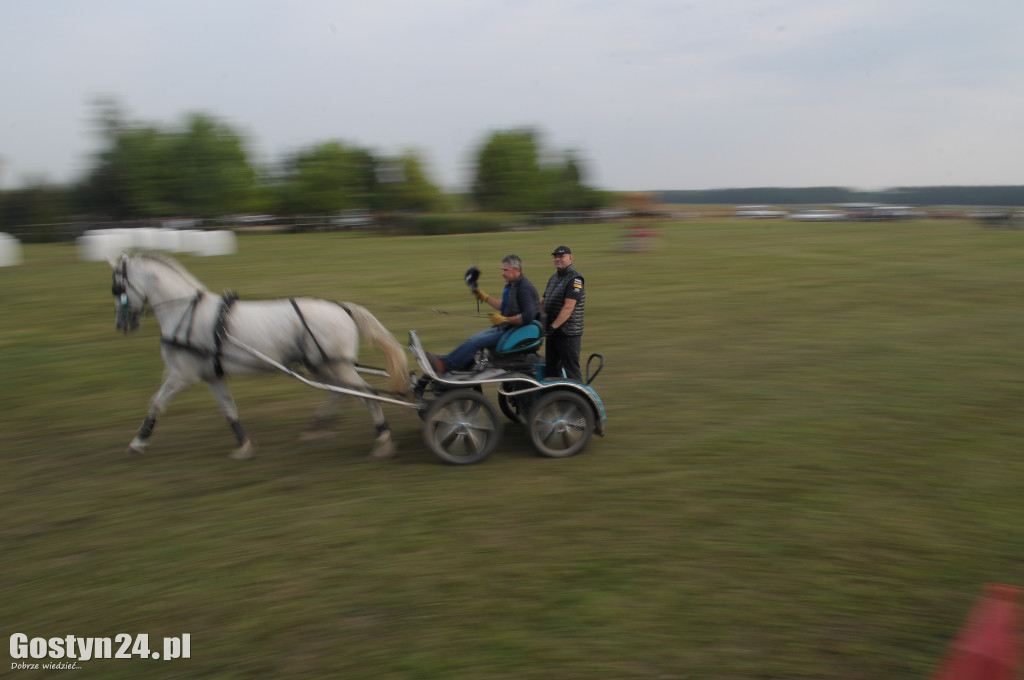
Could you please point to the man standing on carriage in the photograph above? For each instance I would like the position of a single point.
(563, 302)
(518, 305)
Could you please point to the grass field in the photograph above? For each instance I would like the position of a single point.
(813, 466)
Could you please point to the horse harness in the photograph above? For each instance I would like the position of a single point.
(182, 336)
(183, 341)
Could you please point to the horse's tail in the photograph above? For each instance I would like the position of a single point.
(374, 331)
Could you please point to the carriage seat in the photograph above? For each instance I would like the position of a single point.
(517, 348)
(520, 340)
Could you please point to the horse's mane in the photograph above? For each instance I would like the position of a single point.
(175, 265)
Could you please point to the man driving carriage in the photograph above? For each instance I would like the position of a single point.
(518, 305)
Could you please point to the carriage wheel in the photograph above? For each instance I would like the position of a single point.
(462, 427)
(560, 424)
(512, 407)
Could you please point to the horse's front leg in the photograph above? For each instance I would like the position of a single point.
(173, 383)
(219, 387)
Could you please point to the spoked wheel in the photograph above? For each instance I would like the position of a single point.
(560, 424)
(462, 427)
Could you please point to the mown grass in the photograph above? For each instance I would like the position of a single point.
(812, 467)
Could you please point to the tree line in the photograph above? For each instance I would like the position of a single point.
(1003, 196)
(201, 169)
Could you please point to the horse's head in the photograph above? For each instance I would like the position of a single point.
(129, 301)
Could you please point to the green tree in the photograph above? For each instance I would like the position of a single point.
(405, 186)
(210, 173)
(563, 190)
(510, 176)
(201, 170)
(30, 213)
(508, 173)
(132, 175)
(328, 178)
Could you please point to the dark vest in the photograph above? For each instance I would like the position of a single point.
(554, 299)
(520, 298)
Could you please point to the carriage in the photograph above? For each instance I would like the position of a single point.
(205, 337)
(462, 426)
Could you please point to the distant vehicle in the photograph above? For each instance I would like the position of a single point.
(181, 223)
(998, 217)
(250, 220)
(874, 212)
(758, 212)
(818, 215)
(898, 212)
(612, 214)
(349, 219)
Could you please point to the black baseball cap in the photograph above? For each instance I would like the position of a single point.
(562, 250)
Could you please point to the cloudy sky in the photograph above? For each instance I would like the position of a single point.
(651, 94)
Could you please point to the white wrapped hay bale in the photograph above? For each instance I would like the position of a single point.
(10, 250)
(208, 243)
(100, 244)
(167, 240)
(219, 243)
(192, 241)
(149, 238)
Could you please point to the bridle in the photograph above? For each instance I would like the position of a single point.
(127, 318)
(121, 285)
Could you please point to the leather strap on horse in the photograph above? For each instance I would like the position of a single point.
(220, 331)
(189, 316)
(323, 354)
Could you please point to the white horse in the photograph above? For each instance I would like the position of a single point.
(202, 335)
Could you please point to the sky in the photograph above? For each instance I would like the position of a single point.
(649, 94)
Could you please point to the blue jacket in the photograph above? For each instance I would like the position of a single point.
(520, 298)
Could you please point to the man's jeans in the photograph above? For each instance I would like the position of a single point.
(463, 355)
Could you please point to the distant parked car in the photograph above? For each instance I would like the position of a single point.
(181, 223)
(818, 215)
(253, 220)
(758, 212)
(897, 212)
(612, 214)
(350, 219)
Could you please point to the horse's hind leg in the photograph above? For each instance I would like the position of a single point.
(173, 383)
(383, 445)
(227, 406)
(321, 425)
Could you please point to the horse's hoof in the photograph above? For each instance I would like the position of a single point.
(133, 452)
(384, 451)
(243, 452)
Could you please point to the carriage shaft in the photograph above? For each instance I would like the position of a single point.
(323, 386)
